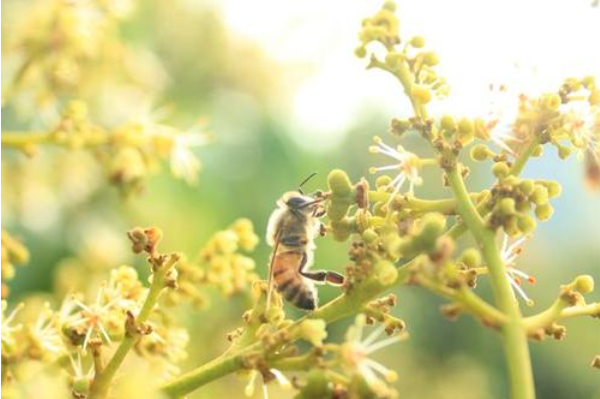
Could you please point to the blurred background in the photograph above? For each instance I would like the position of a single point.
(284, 96)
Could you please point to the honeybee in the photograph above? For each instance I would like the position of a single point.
(291, 231)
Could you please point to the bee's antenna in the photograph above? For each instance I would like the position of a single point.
(313, 174)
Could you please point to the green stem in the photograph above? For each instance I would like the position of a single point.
(515, 338)
(22, 140)
(519, 164)
(342, 306)
(101, 383)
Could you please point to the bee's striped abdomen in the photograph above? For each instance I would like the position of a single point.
(290, 283)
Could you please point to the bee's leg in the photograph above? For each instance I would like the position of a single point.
(319, 212)
(322, 230)
(324, 276)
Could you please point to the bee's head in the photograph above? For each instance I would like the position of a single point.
(296, 201)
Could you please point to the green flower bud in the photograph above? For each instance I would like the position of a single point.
(385, 272)
(588, 82)
(551, 101)
(538, 151)
(317, 386)
(465, 125)
(430, 58)
(572, 83)
(389, 5)
(361, 52)
(523, 206)
(341, 229)
(526, 186)
(448, 123)
(511, 180)
(81, 385)
(507, 206)
(369, 235)
(465, 138)
(584, 284)
(544, 212)
(554, 188)
(563, 152)
(511, 227)
(471, 258)
(480, 152)
(339, 183)
(433, 226)
(526, 224)
(417, 42)
(500, 169)
(313, 331)
(539, 195)
(383, 181)
(421, 94)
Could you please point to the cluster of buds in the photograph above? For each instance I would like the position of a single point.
(221, 263)
(513, 198)
(408, 62)
(379, 310)
(12, 252)
(66, 47)
(570, 302)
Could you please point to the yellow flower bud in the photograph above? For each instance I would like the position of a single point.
(507, 206)
(480, 152)
(361, 52)
(526, 224)
(448, 123)
(417, 42)
(584, 284)
(430, 58)
(544, 212)
(471, 258)
(500, 169)
(526, 186)
(537, 151)
(465, 125)
(421, 94)
(539, 195)
(588, 82)
(339, 182)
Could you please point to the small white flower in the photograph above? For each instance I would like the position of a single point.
(92, 317)
(77, 366)
(8, 329)
(279, 377)
(356, 352)
(45, 331)
(502, 113)
(583, 121)
(509, 254)
(407, 164)
(184, 163)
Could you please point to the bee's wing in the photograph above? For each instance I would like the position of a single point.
(270, 279)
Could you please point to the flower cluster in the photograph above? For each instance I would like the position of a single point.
(12, 252)
(128, 153)
(221, 263)
(65, 47)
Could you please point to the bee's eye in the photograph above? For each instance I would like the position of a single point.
(296, 202)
